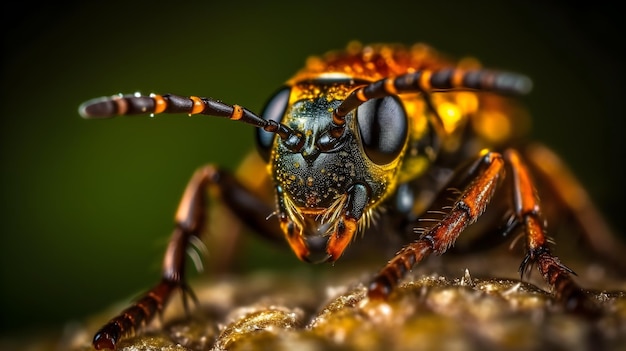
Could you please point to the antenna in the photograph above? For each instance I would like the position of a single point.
(137, 104)
(426, 81)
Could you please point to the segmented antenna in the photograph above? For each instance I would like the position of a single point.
(448, 79)
(137, 104)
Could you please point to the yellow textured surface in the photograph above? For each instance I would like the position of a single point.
(427, 312)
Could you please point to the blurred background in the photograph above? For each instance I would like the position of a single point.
(87, 206)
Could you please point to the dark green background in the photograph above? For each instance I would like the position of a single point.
(87, 206)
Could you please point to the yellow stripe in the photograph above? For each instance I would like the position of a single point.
(390, 86)
(457, 78)
(198, 105)
(122, 105)
(338, 120)
(360, 95)
(425, 80)
(159, 103)
(237, 112)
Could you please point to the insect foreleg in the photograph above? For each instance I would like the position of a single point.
(190, 222)
(468, 207)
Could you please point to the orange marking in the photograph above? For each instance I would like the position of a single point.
(337, 119)
(424, 81)
(159, 104)
(457, 78)
(237, 112)
(339, 240)
(390, 86)
(293, 234)
(360, 95)
(189, 200)
(198, 105)
(122, 105)
(534, 232)
(526, 199)
(480, 193)
(572, 193)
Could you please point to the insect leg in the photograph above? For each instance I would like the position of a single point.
(190, 221)
(573, 197)
(468, 207)
(528, 213)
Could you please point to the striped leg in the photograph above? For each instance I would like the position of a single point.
(528, 213)
(575, 199)
(190, 222)
(440, 237)
(466, 210)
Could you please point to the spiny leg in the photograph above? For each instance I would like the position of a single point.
(573, 196)
(528, 214)
(469, 206)
(190, 222)
(190, 216)
(466, 210)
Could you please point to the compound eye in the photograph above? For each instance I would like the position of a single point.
(274, 110)
(383, 128)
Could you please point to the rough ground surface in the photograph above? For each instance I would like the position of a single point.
(427, 312)
(451, 310)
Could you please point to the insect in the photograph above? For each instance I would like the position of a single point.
(369, 141)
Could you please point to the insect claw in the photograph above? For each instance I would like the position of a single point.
(106, 339)
(187, 293)
(524, 269)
